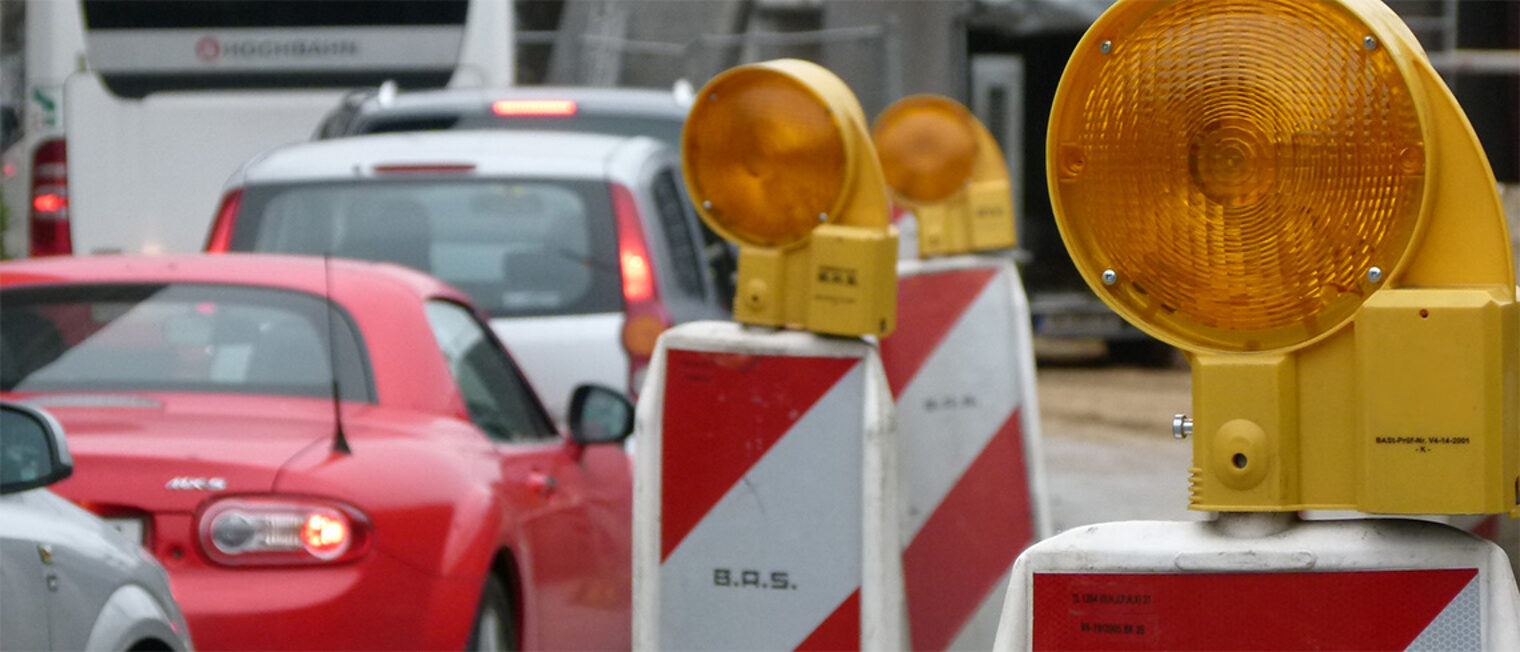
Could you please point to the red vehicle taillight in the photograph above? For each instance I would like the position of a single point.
(49, 216)
(249, 531)
(645, 316)
(220, 239)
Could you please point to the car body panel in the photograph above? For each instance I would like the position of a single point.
(24, 620)
(235, 442)
(547, 346)
(442, 500)
(101, 591)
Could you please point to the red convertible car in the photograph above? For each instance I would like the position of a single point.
(418, 498)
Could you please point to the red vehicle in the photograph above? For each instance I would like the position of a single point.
(418, 498)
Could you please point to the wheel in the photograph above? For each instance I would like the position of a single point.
(493, 630)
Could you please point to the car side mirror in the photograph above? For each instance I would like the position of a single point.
(33, 453)
(599, 415)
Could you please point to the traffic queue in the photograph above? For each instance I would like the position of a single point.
(319, 428)
(282, 420)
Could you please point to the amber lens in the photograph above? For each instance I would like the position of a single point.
(1239, 165)
(641, 333)
(927, 147)
(764, 155)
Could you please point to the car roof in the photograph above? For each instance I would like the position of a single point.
(495, 152)
(623, 101)
(308, 274)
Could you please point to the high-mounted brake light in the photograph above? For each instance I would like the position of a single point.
(48, 221)
(424, 168)
(530, 108)
(282, 531)
(645, 316)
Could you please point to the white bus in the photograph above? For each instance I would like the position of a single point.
(130, 114)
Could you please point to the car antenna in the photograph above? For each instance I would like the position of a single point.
(340, 441)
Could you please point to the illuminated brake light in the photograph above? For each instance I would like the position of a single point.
(50, 203)
(638, 283)
(48, 221)
(280, 531)
(518, 108)
(324, 536)
(644, 315)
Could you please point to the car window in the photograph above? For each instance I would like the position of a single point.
(518, 247)
(676, 224)
(181, 338)
(495, 394)
(412, 123)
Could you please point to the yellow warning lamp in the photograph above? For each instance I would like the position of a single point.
(1288, 192)
(942, 163)
(777, 160)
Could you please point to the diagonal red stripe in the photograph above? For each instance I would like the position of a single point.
(723, 411)
(969, 541)
(1355, 610)
(928, 305)
(840, 631)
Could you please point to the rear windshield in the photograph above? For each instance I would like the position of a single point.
(178, 338)
(665, 130)
(519, 248)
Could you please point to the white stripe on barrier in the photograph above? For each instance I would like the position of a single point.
(791, 514)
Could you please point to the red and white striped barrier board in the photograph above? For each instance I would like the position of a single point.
(765, 496)
(1273, 583)
(961, 370)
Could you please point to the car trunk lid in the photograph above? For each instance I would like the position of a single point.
(161, 453)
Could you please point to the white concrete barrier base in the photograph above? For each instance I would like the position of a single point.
(1262, 582)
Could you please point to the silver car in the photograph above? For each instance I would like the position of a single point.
(68, 581)
(580, 248)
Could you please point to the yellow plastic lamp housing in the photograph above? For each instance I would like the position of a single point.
(1287, 191)
(777, 160)
(943, 164)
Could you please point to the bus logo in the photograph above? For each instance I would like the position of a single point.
(208, 49)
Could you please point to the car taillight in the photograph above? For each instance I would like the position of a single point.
(220, 239)
(49, 216)
(530, 108)
(281, 531)
(645, 316)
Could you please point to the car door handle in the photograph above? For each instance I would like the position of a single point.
(542, 483)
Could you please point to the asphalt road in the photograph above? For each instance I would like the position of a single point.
(1108, 447)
